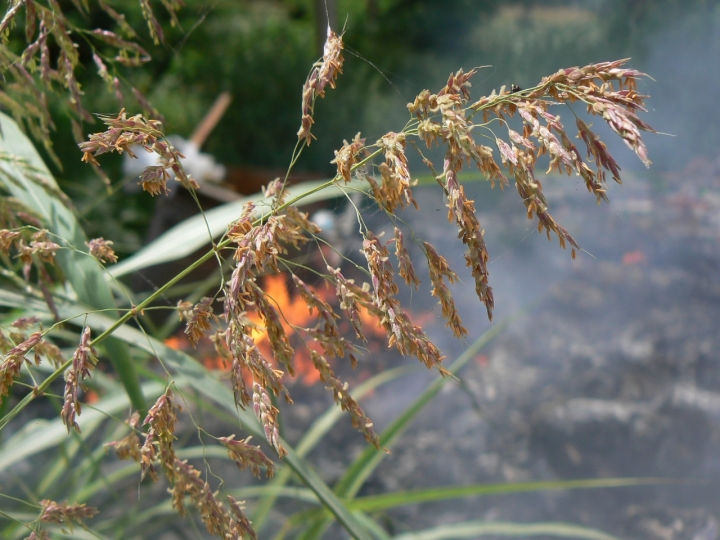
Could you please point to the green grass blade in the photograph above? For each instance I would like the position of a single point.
(317, 430)
(189, 373)
(476, 529)
(83, 272)
(43, 434)
(386, 501)
(366, 463)
(190, 235)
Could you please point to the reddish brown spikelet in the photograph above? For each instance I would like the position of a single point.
(215, 516)
(247, 456)
(279, 342)
(439, 271)
(40, 534)
(129, 446)
(395, 190)
(323, 73)
(101, 250)
(8, 239)
(198, 318)
(242, 526)
(405, 265)
(327, 317)
(10, 368)
(65, 514)
(161, 418)
(347, 157)
(267, 413)
(352, 298)
(83, 361)
(342, 396)
(462, 212)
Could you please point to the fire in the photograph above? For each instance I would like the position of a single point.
(294, 314)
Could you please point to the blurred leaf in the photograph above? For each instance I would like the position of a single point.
(81, 270)
(402, 498)
(189, 373)
(474, 529)
(365, 464)
(317, 430)
(40, 435)
(192, 234)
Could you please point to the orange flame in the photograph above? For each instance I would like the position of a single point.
(294, 314)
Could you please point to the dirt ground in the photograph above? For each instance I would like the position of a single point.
(612, 368)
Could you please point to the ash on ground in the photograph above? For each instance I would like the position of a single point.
(611, 370)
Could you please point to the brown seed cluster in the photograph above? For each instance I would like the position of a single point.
(323, 73)
(247, 456)
(123, 133)
(342, 397)
(394, 191)
(231, 525)
(129, 446)
(83, 361)
(13, 361)
(158, 445)
(101, 250)
(65, 514)
(48, 62)
(347, 157)
(198, 317)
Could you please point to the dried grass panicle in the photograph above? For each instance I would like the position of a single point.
(50, 351)
(123, 133)
(395, 191)
(8, 239)
(247, 456)
(439, 272)
(243, 526)
(267, 413)
(408, 338)
(83, 361)
(40, 246)
(325, 72)
(215, 516)
(198, 318)
(342, 396)
(405, 265)
(13, 361)
(158, 445)
(462, 212)
(347, 157)
(326, 315)
(352, 299)
(279, 342)
(65, 514)
(101, 250)
(129, 446)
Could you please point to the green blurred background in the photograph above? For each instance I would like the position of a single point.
(261, 52)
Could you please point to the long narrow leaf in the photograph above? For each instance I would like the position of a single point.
(317, 430)
(189, 373)
(363, 466)
(19, 165)
(190, 235)
(475, 529)
(42, 434)
(386, 501)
